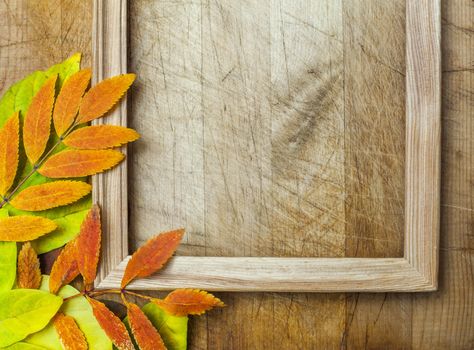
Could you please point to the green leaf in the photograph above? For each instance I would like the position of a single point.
(24, 346)
(81, 311)
(7, 261)
(25, 311)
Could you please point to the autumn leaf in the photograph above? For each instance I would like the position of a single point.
(9, 141)
(69, 99)
(50, 195)
(37, 123)
(112, 326)
(100, 137)
(152, 255)
(69, 333)
(24, 228)
(77, 163)
(183, 302)
(103, 96)
(88, 243)
(65, 268)
(29, 273)
(145, 334)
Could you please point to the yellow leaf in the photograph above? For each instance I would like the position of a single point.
(9, 140)
(50, 195)
(100, 137)
(29, 273)
(24, 228)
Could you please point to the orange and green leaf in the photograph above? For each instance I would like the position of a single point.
(29, 273)
(112, 326)
(103, 96)
(23, 228)
(78, 163)
(50, 195)
(37, 123)
(65, 268)
(9, 142)
(88, 243)
(152, 255)
(183, 302)
(100, 137)
(70, 335)
(145, 334)
(69, 99)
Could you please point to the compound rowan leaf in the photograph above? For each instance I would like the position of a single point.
(65, 268)
(145, 334)
(88, 243)
(183, 302)
(9, 141)
(50, 195)
(100, 137)
(37, 123)
(24, 228)
(70, 335)
(112, 326)
(103, 96)
(78, 163)
(69, 99)
(152, 255)
(29, 273)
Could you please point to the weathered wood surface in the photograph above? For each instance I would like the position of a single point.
(36, 34)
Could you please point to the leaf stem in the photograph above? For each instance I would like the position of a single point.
(73, 296)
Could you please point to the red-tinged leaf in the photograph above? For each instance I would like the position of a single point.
(69, 99)
(152, 255)
(183, 302)
(9, 142)
(65, 268)
(70, 335)
(29, 273)
(23, 228)
(145, 334)
(78, 163)
(112, 326)
(50, 195)
(102, 97)
(37, 123)
(100, 137)
(88, 244)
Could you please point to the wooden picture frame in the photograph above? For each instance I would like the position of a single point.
(417, 271)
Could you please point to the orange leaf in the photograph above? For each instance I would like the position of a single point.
(50, 195)
(29, 273)
(70, 335)
(112, 326)
(77, 163)
(24, 228)
(9, 140)
(64, 269)
(145, 334)
(100, 137)
(69, 100)
(183, 302)
(102, 97)
(88, 244)
(152, 256)
(37, 123)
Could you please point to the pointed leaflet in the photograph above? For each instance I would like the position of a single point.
(102, 97)
(145, 334)
(24, 228)
(65, 268)
(88, 243)
(29, 273)
(9, 140)
(69, 99)
(78, 163)
(183, 302)
(50, 195)
(111, 324)
(69, 333)
(152, 256)
(37, 124)
(100, 137)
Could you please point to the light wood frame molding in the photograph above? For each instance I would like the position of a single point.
(417, 271)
